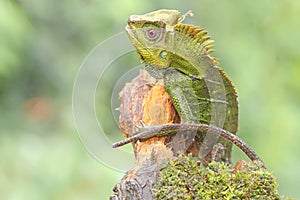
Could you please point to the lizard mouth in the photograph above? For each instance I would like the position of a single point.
(132, 36)
(139, 45)
(130, 33)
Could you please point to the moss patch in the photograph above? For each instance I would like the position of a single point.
(183, 178)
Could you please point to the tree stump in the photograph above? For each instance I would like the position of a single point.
(144, 98)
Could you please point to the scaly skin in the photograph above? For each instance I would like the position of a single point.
(179, 54)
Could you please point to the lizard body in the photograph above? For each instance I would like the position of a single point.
(178, 53)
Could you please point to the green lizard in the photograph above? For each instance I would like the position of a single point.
(200, 91)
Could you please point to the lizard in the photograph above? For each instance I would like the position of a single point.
(200, 91)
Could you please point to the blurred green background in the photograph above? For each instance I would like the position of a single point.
(43, 43)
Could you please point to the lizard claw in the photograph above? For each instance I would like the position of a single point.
(142, 126)
(142, 123)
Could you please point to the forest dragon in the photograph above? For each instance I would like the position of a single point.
(200, 91)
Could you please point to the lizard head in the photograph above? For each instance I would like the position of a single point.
(150, 33)
(161, 40)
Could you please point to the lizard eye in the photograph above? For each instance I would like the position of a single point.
(152, 33)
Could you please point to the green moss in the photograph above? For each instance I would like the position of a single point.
(183, 178)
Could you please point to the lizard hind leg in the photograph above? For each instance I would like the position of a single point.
(195, 148)
(217, 152)
(215, 155)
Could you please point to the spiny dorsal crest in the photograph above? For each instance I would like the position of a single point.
(199, 35)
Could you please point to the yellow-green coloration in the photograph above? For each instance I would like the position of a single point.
(184, 179)
(179, 54)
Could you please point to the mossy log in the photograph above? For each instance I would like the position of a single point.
(160, 173)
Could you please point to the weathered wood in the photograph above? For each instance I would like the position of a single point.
(144, 98)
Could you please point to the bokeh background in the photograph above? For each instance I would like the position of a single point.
(43, 43)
